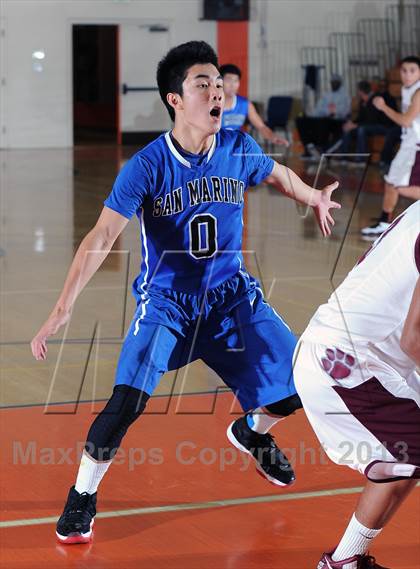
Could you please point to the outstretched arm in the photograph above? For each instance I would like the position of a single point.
(89, 256)
(410, 338)
(263, 129)
(320, 200)
(402, 119)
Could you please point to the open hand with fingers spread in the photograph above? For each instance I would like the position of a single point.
(55, 321)
(323, 206)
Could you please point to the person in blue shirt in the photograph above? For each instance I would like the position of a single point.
(195, 298)
(239, 109)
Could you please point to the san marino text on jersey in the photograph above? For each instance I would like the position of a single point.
(199, 191)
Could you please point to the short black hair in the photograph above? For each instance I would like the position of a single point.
(411, 59)
(230, 68)
(364, 86)
(173, 68)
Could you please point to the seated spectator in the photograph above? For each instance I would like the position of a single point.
(324, 127)
(369, 122)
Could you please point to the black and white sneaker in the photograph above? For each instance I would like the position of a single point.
(76, 521)
(271, 463)
(376, 230)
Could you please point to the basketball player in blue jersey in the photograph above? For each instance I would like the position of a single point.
(238, 109)
(195, 297)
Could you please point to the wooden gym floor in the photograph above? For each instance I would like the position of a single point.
(180, 496)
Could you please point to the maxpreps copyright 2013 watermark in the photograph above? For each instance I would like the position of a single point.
(186, 453)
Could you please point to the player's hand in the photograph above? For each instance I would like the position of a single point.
(322, 209)
(276, 139)
(379, 103)
(54, 322)
(348, 126)
(332, 109)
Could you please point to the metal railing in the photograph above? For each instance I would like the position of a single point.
(407, 25)
(379, 33)
(354, 61)
(367, 53)
(398, 50)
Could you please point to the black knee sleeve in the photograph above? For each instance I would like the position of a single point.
(124, 407)
(285, 407)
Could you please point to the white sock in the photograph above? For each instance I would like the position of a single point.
(90, 474)
(355, 541)
(260, 421)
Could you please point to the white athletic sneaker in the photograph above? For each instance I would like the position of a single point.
(376, 229)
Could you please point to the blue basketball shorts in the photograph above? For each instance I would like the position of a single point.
(231, 328)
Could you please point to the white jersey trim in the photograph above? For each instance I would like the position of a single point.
(144, 300)
(175, 151)
(212, 148)
(179, 157)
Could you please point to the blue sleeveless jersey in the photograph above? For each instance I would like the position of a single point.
(235, 118)
(190, 209)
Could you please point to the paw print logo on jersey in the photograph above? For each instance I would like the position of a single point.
(337, 363)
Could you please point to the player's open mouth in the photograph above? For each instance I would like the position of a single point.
(216, 112)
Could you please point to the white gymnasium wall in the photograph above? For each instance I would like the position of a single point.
(280, 28)
(36, 108)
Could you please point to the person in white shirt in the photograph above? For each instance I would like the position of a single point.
(403, 178)
(355, 372)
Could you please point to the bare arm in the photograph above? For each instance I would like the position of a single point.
(320, 200)
(265, 131)
(89, 256)
(410, 339)
(402, 119)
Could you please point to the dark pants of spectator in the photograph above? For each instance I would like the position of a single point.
(392, 138)
(322, 132)
(361, 135)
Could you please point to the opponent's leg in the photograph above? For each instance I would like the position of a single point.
(390, 200)
(330, 408)
(392, 138)
(389, 203)
(410, 192)
(403, 179)
(377, 504)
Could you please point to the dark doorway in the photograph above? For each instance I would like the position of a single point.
(95, 84)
